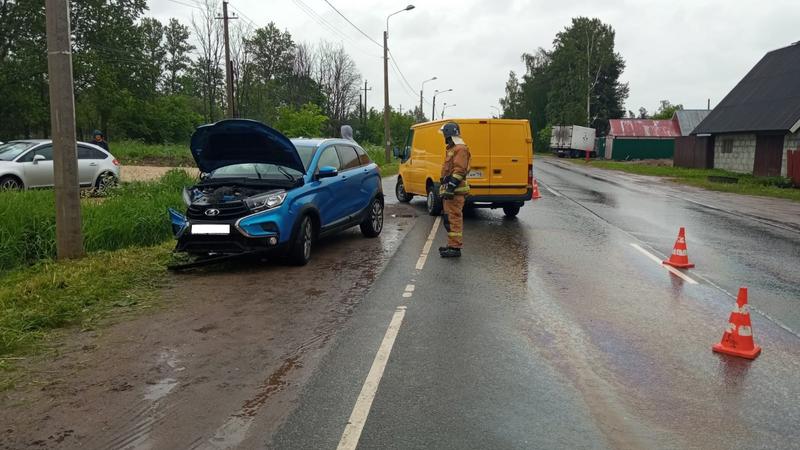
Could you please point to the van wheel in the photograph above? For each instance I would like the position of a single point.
(400, 192)
(511, 211)
(434, 201)
(300, 253)
(373, 223)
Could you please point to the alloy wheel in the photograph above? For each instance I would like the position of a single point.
(9, 184)
(308, 236)
(377, 216)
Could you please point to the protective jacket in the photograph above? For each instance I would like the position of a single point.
(456, 165)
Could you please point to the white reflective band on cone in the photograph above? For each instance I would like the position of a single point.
(731, 328)
(744, 330)
(745, 309)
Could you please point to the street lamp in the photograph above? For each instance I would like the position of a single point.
(444, 108)
(386, 133)
(433, 109)
(420, 96)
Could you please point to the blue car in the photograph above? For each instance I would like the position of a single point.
(261, 192)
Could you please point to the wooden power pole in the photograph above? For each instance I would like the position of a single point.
(69, 241)
(228, 64)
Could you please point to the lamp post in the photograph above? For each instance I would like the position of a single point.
(386, 132)
(420, 96)
(444, 108)
(433, 109)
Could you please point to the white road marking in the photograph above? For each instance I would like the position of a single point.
(655, 259)
(551, 191)
(427, 248)
(352, 432)
(407, 294)
(410, 288)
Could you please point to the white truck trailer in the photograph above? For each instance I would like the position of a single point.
(572, 140)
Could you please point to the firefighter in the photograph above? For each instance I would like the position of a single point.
(454, 189)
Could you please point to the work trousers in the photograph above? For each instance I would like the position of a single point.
(454, 220)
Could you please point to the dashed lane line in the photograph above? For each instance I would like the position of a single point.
(352, 432)
(551, 190)
(655, 259)
(427, 248)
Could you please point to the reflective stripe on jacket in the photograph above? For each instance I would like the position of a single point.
(456, 164)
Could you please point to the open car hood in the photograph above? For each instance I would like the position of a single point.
(241, 141)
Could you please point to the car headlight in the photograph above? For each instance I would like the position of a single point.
(265, 201)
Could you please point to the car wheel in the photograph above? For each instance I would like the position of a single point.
(105, 182)
(511, 211)
(400, 192)
(434, 201)
(301, 249)
(10, 184)
(373, 223)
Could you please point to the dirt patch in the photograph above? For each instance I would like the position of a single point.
(220, 364)
(149, 173)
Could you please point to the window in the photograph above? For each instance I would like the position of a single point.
(407, 148)
(46, 151)
(727, 146)
(348, 156)
(306, 154)
(329, 158)
(90, 153)
(363, 158)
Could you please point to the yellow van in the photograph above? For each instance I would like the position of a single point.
(501, 172)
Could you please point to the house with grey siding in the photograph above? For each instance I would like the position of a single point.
(758, 122)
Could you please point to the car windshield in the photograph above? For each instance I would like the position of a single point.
(255, 171)
(9, 151)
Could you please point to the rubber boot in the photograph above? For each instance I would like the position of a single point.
(450, 252)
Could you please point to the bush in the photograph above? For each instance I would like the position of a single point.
(132, 215)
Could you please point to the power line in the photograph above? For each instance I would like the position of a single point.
(353, 25)
(244, 16)
(394, 62)
(307, 10)
(185, 4)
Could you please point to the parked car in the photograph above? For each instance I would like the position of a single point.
(501, 172)
(28, 164)
(262, 192)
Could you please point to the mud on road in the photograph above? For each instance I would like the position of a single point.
(219, 365)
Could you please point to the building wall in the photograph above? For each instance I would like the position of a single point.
(624, 149)
(743, 154)
(791, 142)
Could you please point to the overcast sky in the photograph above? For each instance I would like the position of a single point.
(686, 51)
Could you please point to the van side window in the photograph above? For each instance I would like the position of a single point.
(409, 143)
(348, 156)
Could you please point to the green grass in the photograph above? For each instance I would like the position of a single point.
(36, 300)
(776, 187)
(132, 215)
(135, 153)
(378, 155)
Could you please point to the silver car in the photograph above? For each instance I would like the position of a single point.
(28, 164)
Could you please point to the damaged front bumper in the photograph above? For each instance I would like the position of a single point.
(253, 233)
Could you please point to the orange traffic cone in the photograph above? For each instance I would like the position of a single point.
(679, 257)
(536, 193)
(738, 337)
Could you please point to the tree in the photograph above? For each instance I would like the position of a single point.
(339, 79)
(177, 49)
(153, 53)
(207, 68)
(512, 103)
(307, 121)
(666, 110)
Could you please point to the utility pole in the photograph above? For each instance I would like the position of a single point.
(69, 241)
(387, 134)
(228, 64)
(366, 111)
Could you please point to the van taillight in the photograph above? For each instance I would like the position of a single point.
(530, 175)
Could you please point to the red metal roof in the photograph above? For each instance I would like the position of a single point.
(644, 128)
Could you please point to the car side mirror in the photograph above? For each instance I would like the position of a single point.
(37, 158)
(327, 172)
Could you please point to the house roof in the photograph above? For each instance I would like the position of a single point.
(688, 119)
(766, 99)
(644, 128)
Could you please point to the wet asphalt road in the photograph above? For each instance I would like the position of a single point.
(554, 332)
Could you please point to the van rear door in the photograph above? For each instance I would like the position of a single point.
(476, 135)
(511, 154)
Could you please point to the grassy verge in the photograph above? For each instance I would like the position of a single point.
(776, 187)
(132, 215)
(133, 153)
(378, 155)
(38, 299)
